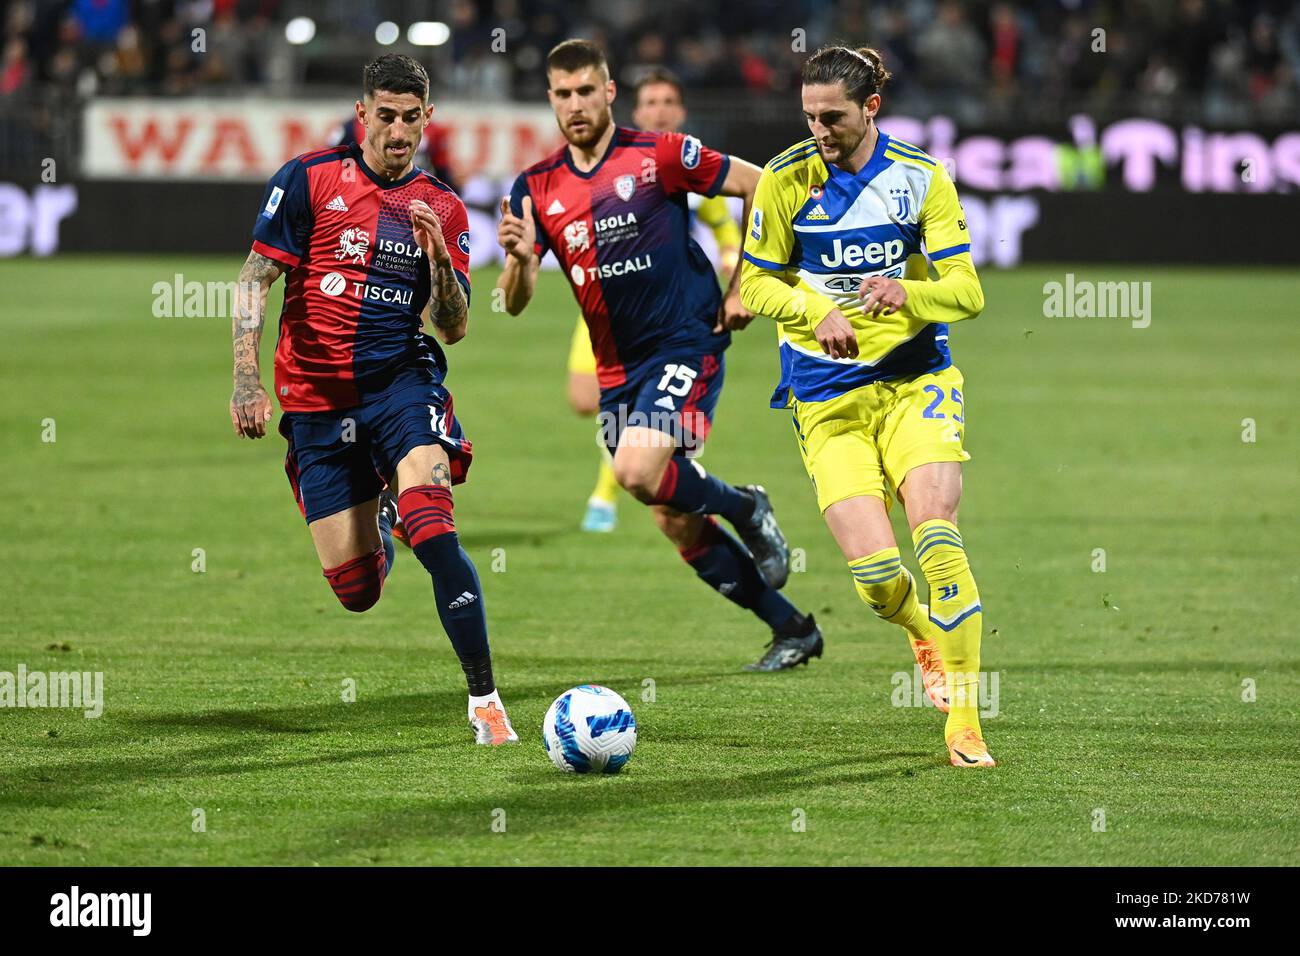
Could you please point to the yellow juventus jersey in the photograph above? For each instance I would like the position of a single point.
(816, 232)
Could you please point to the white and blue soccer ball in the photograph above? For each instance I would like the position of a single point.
(589, 729)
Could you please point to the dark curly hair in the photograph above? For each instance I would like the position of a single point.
(395, 73)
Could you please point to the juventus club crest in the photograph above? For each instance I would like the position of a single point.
(902, 197)
(624, 186)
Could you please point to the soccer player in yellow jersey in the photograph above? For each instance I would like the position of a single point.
(833, 253)
(660, 109)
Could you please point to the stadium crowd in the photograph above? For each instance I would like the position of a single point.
(982, 59)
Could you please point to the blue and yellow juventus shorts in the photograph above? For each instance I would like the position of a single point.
(864, 442)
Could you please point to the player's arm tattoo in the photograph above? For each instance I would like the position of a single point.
(441, 475)
(255, 280)
(448, 308)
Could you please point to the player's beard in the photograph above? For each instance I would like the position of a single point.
(594, 131)
(394, 164)
(843, 150)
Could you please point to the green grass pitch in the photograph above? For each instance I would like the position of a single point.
(1120, 692)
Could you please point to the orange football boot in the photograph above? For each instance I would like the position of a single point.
(492, 726)
(967, 749)
(927, 657)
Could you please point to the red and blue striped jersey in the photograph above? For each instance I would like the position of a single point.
(357, 281)
(621, 233)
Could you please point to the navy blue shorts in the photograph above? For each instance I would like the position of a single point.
(339, 459)
(675, 393)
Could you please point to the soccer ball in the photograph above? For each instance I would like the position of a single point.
(589, 729)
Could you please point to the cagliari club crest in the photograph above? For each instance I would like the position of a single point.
(624, 187)
(354, 243)
(576, 236)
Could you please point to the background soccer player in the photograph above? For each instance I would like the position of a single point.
(833, 253)
(368, 243)
(612, 205)
(659, 108)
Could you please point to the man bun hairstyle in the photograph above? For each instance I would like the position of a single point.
(573, 55)
(862, 71)
(395, 73)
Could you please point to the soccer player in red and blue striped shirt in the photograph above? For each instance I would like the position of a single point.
(611, 204)
(369, 243)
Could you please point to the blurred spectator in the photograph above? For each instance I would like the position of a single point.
(1263, 59)
(15, 70)
(1007, 47)
(985, 59)
(952, 53)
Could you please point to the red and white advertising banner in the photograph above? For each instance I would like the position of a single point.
(233, 140)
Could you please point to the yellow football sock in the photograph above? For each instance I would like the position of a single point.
(888, 589)
(957, 616)
(606, 489)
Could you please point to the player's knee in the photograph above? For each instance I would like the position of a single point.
(931, 502)
(583, 404)
(639, 478)
(582, 408)
(358, 583)
(584, 396)
(932, 492)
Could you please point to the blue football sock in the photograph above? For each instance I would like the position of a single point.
(724, 564)
(689, 488)
(457, 591)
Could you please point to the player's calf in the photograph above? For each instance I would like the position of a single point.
(956, 613)
(887, 587)
(353, 554)
(359, 582)
(426, 513)
(723, 563)
(684, 486)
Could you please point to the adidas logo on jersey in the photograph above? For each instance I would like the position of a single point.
(555, 208)
(337, 204)
(465, 600)
(817, 213)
